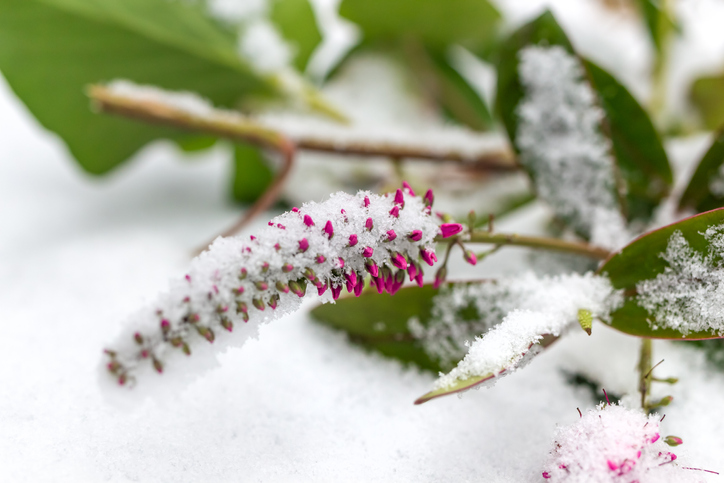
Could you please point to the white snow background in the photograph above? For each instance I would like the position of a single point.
(298, 404)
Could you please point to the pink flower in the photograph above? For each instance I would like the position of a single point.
(450, 229)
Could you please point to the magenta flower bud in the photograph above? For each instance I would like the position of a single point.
(241, 307)
(450, 229)
(295, 209)
(320, 259)
(252, 237)
(138, 338)
(428, 198)
(273, 301)
(418, 278)
(242, 274)
(271, 223)
(416, 235)
(261, 286)
(298, 288)
(277, 247)
(412, 270)
(399, 261)
(308, 220)
(282, 287)
(351, 278)
(321, 289)
(303, 245)
(406, 186)
(258, 303)
(188, 278)
(428, 256)
(352, 240)
(369, 224)
(165, 325)
(358, 288)
(673, 441)
(372, 268)
(264, 269)
(399, 197)
(366, 201)
(440, 277)
(281, 227)
(398, 281)
(380, 284)
(395, 211)
(287, 267)
(391, 235)
(238, 291)
(329, 229)
(470, 257)
(340, 262)
(336, 291)
(367, 252)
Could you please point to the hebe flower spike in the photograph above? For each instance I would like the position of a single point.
(272, 270)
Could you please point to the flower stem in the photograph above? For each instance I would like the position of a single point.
(645, 372)
(591, 251)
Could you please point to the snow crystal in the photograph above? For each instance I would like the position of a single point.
(540, 306)
(561, 144)
(236, 285)
(612, 443)
(687, 296)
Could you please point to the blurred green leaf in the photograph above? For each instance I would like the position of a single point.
(191, 144)
(470, 23)
(51, 49)
(641, 260)
(441, 82)
(707, 96)
(658, 22)
(698, 195)
(252, 175)
(298, 25)
(639, 152)
(379, 322)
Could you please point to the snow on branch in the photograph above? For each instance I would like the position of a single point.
(530, 308)
(687, 295)
(237, 284)
(561, 144)
(612, 443)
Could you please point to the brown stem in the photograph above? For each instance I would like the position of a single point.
(236, 126)
(577, 248)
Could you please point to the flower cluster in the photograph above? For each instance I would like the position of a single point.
(321, 247)
(614, 444)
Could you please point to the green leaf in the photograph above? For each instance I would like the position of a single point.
(296, 21)
(698, 195)
(50, 50)
(470, 23)
(658, 22)
(379, 322)
(639, 152)
(196, 143)
(543, 30)
(444, 84)
(707, 96)
(252, 175)
(641, 260)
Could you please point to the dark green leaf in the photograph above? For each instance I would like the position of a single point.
(252, 175)
(298, 25)
(543, 30)
(641, 260)
(50, 50)
(639, 152)
(698, 194)
(470, 23)
(707, 95)
(192, 144)
(441, 82)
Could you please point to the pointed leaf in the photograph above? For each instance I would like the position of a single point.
(706, 188)
(639, 152)
(642, 261)
(296, 21)
(78, 42)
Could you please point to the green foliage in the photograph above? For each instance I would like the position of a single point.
(296, 21)
(191, 144)
(659, 22)
(641, 260)
(251, 176)
(707, 96)
(470, 23)
(639, 152)
(698, 194)
(379, 322)
(51, 50)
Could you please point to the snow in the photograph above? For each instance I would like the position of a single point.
(561, 144)
(687, 295)
(236, 284)
(614, 443)
(535, 307)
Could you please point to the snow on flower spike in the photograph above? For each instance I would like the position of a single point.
(613, 443)
(222, 299)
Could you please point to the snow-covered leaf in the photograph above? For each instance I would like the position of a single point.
(470, 23)
(706, 188)
(296, 21)
(673, 280)
(50, 50)
(637, 146)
